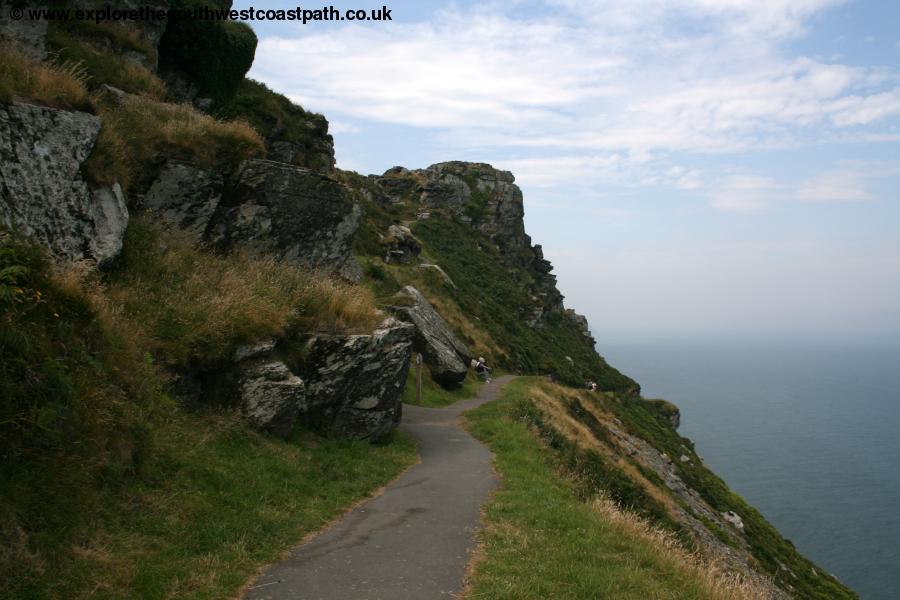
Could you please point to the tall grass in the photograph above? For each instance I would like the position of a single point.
(56, 83)
(102, 57)
(192, 307)
(139, 133)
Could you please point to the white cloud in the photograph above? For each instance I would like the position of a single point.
(688, 75)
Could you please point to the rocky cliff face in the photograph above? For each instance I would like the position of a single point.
(42, 191)
(489, 201)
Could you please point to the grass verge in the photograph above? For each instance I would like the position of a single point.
(109, 488)
(435, 396)
(540, 541)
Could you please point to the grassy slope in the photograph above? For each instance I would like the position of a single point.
(590, 472)
(541, 541)
(108, 487)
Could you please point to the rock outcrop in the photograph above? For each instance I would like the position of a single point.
(186, 196)
(354, 382)
(29, 34)
(401, 245)
(446, 356)
(490, 201)
(271, 396)
(290, 212)
(42, 192)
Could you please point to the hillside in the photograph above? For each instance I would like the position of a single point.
(194, 301)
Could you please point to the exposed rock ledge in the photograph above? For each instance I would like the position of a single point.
(42, 192)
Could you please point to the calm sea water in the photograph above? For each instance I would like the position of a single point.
(809, 435)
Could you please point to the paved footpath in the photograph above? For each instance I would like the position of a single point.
(411, 542)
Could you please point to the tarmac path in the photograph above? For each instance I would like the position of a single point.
(412, 542)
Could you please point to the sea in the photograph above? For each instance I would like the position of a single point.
(807, 433)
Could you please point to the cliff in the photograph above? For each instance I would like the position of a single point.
(194, 305)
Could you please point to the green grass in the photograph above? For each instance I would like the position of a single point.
(541, 542)
(436, 396)
(215, 503)
(111, 489)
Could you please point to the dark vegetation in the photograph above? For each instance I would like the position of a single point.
(276, 118)
(214, 55)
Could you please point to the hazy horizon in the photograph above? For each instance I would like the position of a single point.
(691, 168)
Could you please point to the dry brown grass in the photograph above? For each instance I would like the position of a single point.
(138, 132)
(191, 306)
(59, 84)
(719, 583)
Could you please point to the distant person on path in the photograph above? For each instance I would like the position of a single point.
(482, 370)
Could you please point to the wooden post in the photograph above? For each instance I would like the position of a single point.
(418, 379)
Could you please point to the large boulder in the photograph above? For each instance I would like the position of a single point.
(42, 192)
(354, 382)
(186, 196)
(29, 34)
(291, 212)
(268, 394)
(447, 357)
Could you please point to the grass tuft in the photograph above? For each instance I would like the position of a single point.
(193, 308)
(56, 83)
(138, 133)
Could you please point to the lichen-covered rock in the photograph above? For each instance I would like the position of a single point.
(318, 152)
(186, 196)
(354, 382)
(42, 192)
(581, 322)
(150, 31)
(271, 396)
(291, 212)
(29, 34)
(488, 196)
(268, 394)
(446, 356)
(402, 245)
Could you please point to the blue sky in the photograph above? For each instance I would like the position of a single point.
(693, 168)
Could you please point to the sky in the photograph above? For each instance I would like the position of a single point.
(693, 168)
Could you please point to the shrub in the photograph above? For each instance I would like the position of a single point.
(56, 83)
(214, 55)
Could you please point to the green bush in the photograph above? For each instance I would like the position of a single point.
(214, 55)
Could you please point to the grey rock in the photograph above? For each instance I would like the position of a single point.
(150, 31)
(186, 196)
(734, 518)
(29, 35)
(437, 269)
(354, 382)
(271, 396)
(320, 152)
(42, 192)
(291, 212)
(402, 245)
(256, 350)
(447, 357)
